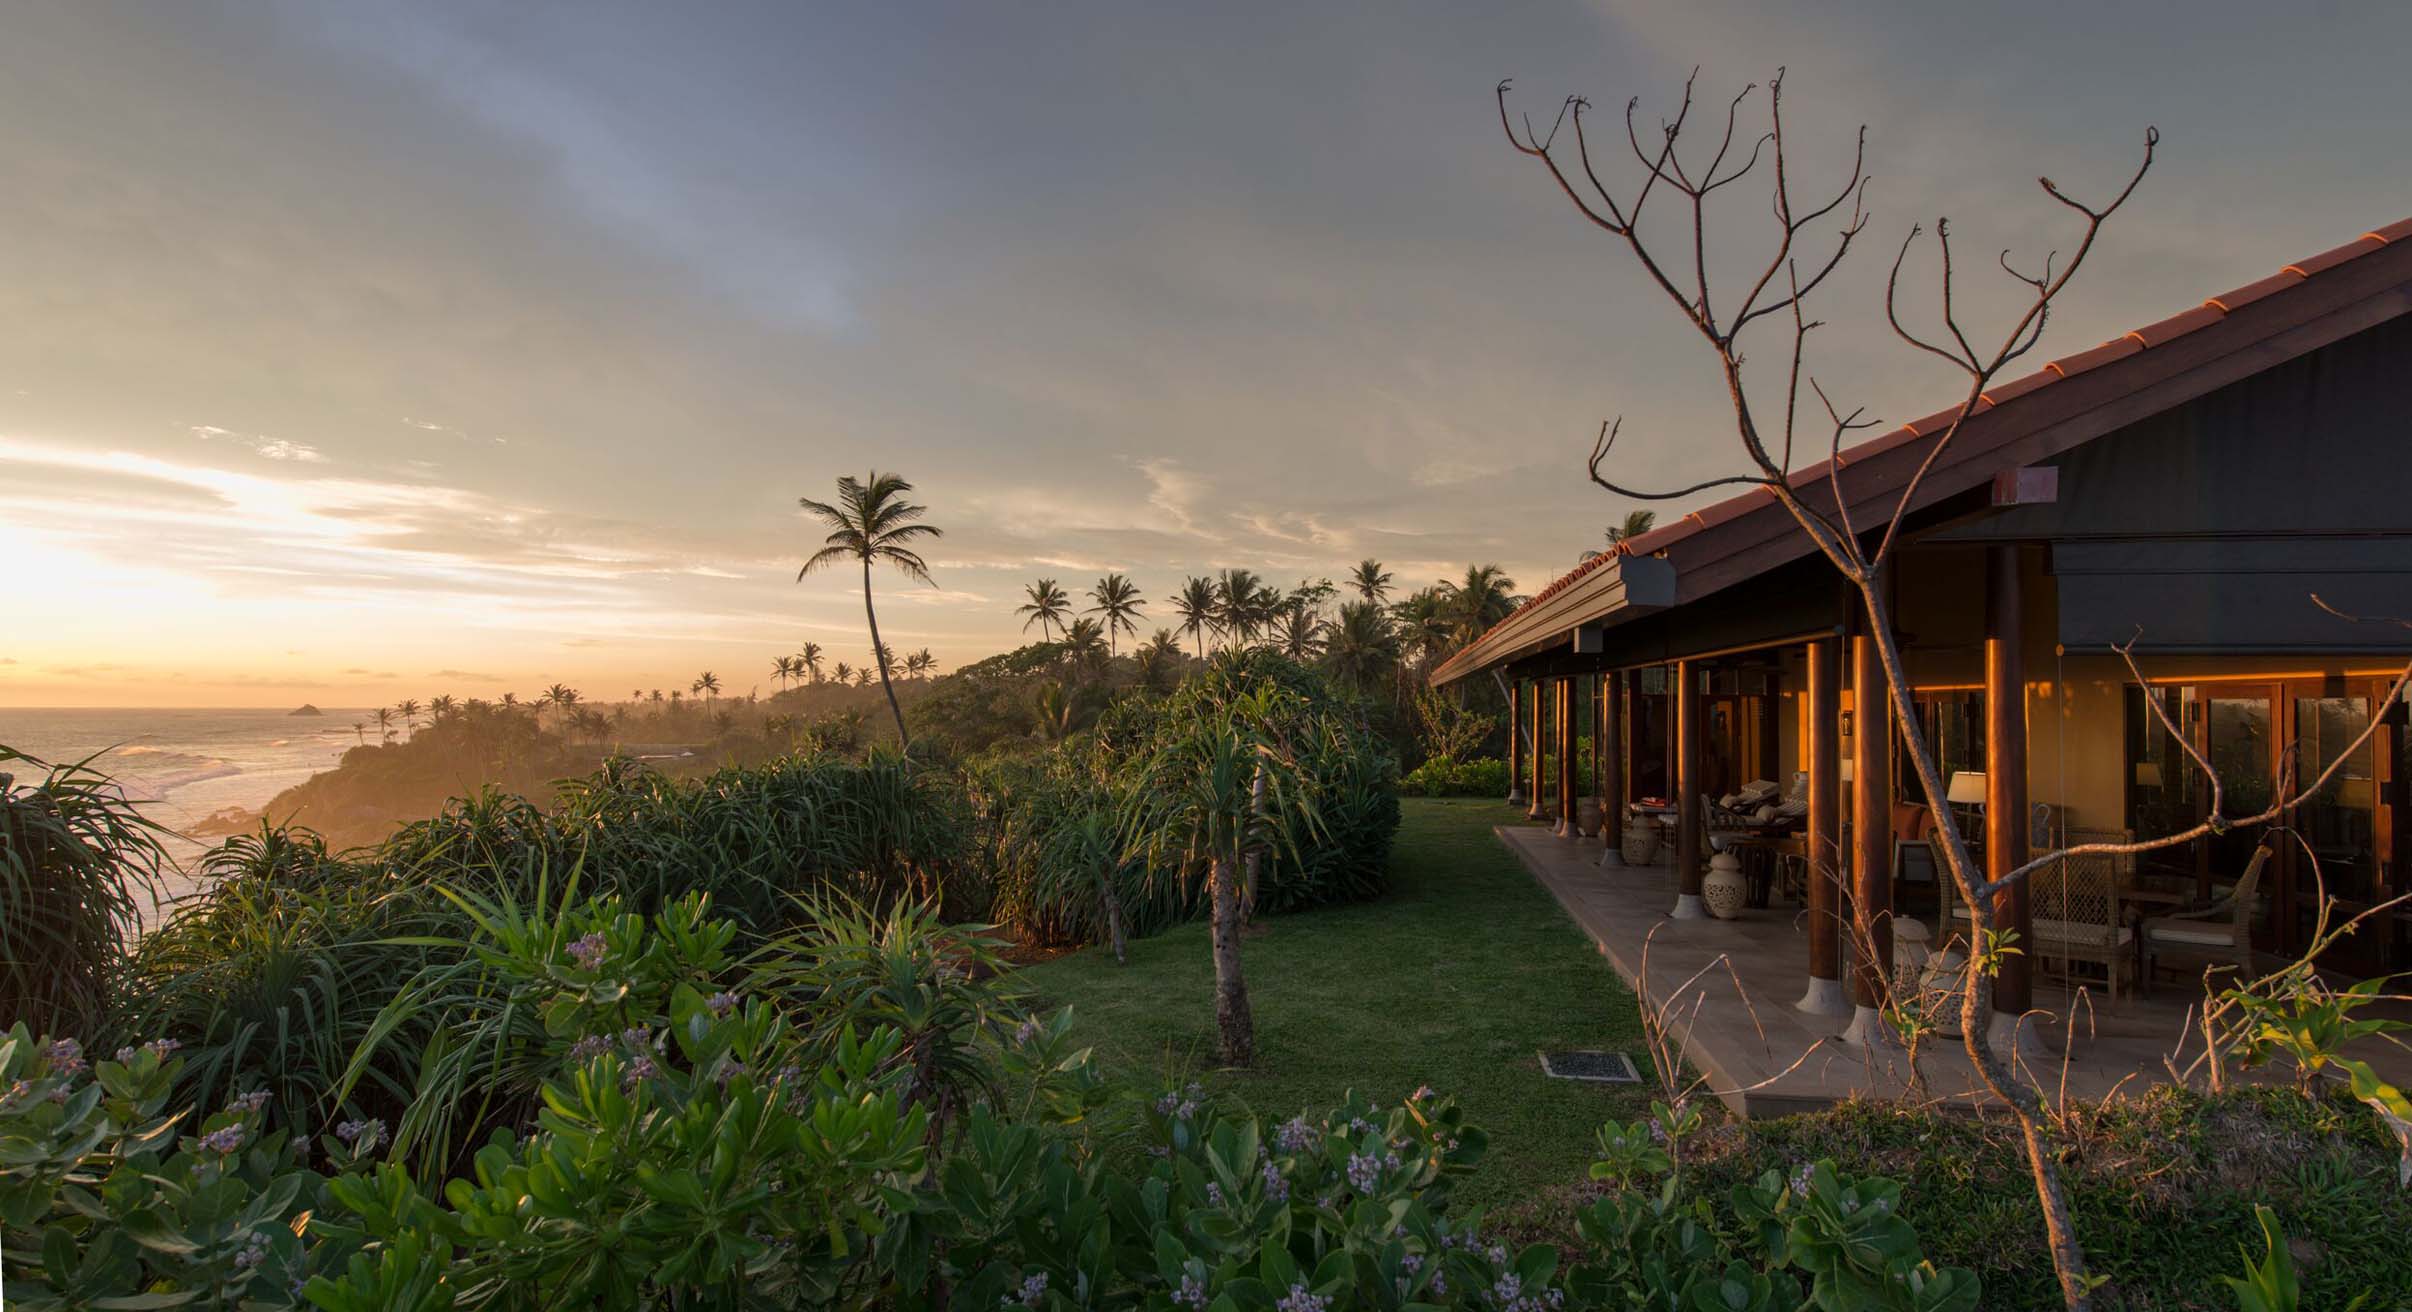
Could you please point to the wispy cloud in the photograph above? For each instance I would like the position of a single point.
(273, 448)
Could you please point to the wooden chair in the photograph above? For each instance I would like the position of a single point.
(2219, 936)
(2076, 909)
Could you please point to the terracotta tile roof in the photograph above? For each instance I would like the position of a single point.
(2000, 397)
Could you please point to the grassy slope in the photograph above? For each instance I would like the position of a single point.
(1454, 979)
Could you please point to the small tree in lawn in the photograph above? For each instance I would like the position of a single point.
(1214, 793)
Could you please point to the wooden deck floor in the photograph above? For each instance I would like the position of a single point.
(1729, 987)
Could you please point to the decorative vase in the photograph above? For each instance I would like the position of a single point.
(1723, 891)
(1587, 816)
(1641, 842)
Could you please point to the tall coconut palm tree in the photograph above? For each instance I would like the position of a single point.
(1636, 523)
(1298, 633)
(1157, 658)
(442, 707)
(1118, 602)
(1360, 647)
(1239, 605)
(845, 674)
(1422, 622)
(408, 709)
(1195, 604)
(1085, 645)
(920, 663)
(873, 523)
(1049, 607)
(655, 697)
(809, 661)
(385, 724)
(782, 667)
(1478, 601)
(707, 685)
(360, 731)
(1371, 581)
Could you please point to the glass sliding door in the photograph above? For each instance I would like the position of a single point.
(2240, 739)
(2338, 827)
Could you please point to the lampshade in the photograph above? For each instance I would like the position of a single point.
(2148, 774)
(1967, 789)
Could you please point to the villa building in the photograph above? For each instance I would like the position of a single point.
(2229, 489)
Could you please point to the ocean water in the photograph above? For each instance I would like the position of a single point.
(184, 764)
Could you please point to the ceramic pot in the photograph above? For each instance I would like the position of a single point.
(1587, 816)
(1641, 842)
(1723, 891)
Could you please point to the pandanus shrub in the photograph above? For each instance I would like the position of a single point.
(78, 866)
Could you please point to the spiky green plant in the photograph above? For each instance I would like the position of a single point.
(78, 867)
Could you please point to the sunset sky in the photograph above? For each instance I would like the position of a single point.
(351, 352)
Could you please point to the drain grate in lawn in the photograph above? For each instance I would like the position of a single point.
(1590, 1064)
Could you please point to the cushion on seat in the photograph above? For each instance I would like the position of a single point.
(2193, 933)
(2069, 933)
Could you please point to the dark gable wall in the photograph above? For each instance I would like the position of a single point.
(2211, 526)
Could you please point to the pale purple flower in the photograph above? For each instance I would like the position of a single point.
(721, 1003)
(66, 1057)
(588, 951)
(1026, 1032)
(250, 1104)
(1508, 1287)
(1800, 1181)
(1191, 1294)
(637, 1036)
(363, 1135)
(254, 1252)
(588, 1048)
(1364, 1172)
(1299, 1300)
(1034, 1288)
(1276, 1188)
(1411, 1263)
(223, 1141)
(1214, 1194)
(640, 1070)
(1295, 1135)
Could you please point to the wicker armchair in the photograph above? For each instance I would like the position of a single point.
(2076, 908)
(2219, 936)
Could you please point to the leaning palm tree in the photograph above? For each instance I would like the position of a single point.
(1195, 604)
(385, 724)
(871, 522)
(408, 709)
(808, 661)
(1371, 581)
(1118, 602)
(360, 731)
(1049, 607)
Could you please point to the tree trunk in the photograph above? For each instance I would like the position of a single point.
(1232, 1020)
(904, 741)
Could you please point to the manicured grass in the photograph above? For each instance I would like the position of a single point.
(1455, 979)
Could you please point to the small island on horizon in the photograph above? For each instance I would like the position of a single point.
(305, 709)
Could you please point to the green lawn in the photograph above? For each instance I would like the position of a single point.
(1453, 979)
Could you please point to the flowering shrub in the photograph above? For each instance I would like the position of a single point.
(1443, 777)
(106, 1202)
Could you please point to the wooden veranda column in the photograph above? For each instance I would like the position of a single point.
(1539, 787)
(1821, 748)
(1688, 820)
(2006, 829)
(1566, 758)
(1871, 835)
(1515, 752)
(1611, 731)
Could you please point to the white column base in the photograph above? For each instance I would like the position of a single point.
(1611, 858)
(1869, 1030)
(1687, 907)
(2015, 1041)
(1515, 797)
(1824, 998)
(1562, 829)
